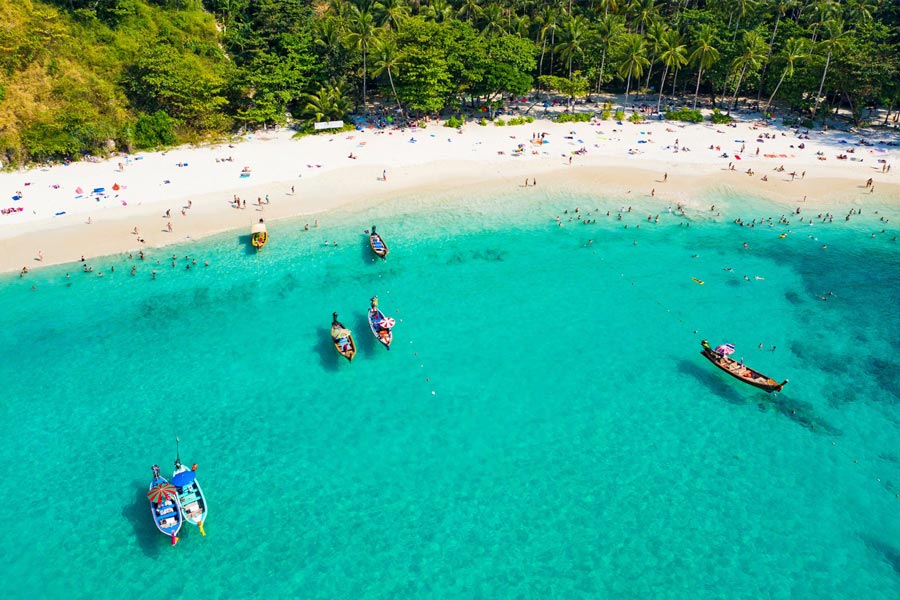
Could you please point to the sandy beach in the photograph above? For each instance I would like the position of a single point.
(58, 214)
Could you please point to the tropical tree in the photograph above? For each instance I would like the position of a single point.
(361, 33)
(705, 54)
(386, 59)
(794, 50)
(609, 30)
(551, 17)
(753, 52)
(328, 103)
(390, 13)
(780, 8)
(834, 41)
(575, 34)
(634, 59)
(439, 11)
(673, 54)
(470, 10)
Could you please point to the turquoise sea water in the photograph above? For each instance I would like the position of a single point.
(544, 426)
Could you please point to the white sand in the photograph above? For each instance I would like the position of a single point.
(620, 159)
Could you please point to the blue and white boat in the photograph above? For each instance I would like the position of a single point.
(381, 326)
(164, 505)
(377, 243)
(190, 494)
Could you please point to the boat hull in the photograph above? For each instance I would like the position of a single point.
(192, 500)
(344, 345)
(741, 372)
(166, 516)
(378, 246)
(384, 336)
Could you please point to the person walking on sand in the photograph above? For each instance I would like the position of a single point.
(384, 175)
(665, 177)
(169, 226)
(40, 256)
(292, 190)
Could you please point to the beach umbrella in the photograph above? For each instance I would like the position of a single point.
(386, 323)
(163, 491)
(183, 478)
(342, 333)
(725, 349)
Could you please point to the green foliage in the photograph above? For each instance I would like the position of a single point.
(572, 118)
(520, 120)
(635, 117)
(684, 114)
(78, 73)
(154, 131)
(619, 114)
(482, 121)
(453, 122)
(719, 118)
(572, 87)
(499, 122)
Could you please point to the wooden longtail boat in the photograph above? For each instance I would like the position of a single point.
(739, 371)
(259, 235)
(377, 243)
(342, 338)
(381, 326)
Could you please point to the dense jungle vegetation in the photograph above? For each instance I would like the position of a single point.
(91, 76)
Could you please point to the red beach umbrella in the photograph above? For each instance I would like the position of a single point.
(163, 491)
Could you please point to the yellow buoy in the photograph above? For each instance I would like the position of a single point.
(202, 532)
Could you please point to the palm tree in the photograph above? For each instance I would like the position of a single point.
(361, 32)
(609, 29)
(386, 60)
(780, 8)
(673, 54)
(704, 55)
(550, 17)
(439, 11)
(644, 13)
(633, 60)
(794, 50)
(655, 31)
(470, 10)
(391, 13)
(835, 41)
(330, 102)
(493, 20)
(752, 54)
(576, 34)
(742, 7)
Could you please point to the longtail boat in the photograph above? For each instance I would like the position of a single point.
(190, 494)
(342, 338)
(259, 235)
(738, 370)
(164, 506)
(381, 326)
(377, 243)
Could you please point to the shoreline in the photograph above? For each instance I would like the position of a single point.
(598, 158)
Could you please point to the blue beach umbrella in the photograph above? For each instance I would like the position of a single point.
(184, 478)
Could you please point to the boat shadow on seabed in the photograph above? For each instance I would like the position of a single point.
(137, 513)
(796, 410)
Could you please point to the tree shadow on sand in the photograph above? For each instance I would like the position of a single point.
(137, 513)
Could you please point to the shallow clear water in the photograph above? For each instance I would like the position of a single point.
(544, 426)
